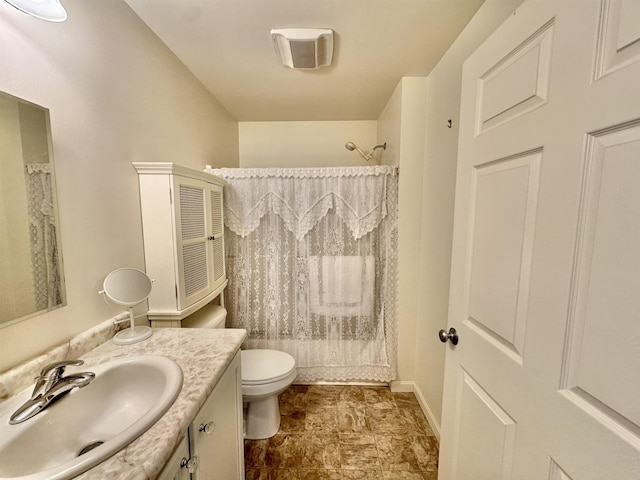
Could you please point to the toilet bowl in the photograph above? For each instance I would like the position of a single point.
(265, 375)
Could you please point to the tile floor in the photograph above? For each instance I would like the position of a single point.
(344, 433)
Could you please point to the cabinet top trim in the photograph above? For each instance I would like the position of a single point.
(170, 168)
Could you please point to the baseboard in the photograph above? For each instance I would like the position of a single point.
(402, 386)
(408, 386)
(433, 423)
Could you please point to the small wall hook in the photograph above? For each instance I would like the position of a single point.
(449, 123)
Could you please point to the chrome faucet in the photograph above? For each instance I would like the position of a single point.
(50, 386)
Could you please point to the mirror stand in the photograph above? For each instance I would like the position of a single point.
(128, 287)
(133, 334)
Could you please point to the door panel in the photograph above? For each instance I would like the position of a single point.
(618, 43)
(504, 203)
(609, 257)
(557, 473)
(517, 83)
(546, 250)
(481, 417)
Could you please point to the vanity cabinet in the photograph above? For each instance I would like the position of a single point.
(176, 467)
(183, 231)
(214, 442)
(216, 435)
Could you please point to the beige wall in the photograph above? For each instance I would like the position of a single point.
(304, 144)
(116, 94)
(401, 125)
(441, 148)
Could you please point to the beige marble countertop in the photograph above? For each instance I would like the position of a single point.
(203, 356)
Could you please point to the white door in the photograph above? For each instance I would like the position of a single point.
(545, 290)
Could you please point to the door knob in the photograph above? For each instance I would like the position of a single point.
(450, 335)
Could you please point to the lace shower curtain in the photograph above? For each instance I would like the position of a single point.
(312, 266)
(42, 234)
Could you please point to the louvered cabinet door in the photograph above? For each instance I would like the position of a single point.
(192, 240)
(216, 239)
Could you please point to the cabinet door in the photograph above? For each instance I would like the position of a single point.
(216, 432)
(192, 244)
(217, 235)
(174, 469)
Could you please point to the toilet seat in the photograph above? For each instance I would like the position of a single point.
(262, 366)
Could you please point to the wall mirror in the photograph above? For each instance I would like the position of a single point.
(31, 273)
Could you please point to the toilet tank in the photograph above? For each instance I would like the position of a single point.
(209, 316)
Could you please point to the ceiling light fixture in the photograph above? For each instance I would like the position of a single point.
(304, 48)
(50, 10)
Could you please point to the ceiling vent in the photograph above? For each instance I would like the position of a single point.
(304, 48)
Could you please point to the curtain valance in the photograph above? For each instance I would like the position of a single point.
(301, 197)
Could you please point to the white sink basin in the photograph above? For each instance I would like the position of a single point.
(127, 396)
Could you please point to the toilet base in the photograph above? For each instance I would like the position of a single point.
(262, 418)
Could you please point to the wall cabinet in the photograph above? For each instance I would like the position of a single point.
(213, 448)
(183, 231)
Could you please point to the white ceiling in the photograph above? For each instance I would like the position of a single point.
(227, 45)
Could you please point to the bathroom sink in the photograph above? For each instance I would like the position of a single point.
(89, 424)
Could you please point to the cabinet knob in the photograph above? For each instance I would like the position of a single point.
(211, 237)
(192, 464)
(207, 428)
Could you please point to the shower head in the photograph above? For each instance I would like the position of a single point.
(366, 155)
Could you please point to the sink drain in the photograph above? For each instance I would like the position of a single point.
(90, 447)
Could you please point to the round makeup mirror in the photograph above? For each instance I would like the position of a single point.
(128, 287)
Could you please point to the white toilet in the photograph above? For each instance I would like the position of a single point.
(265, 375)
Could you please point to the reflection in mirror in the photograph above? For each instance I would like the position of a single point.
(31, 274)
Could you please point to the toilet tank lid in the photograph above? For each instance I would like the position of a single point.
(264, 366)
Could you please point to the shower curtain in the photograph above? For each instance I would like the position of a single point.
(42, 232)
(312, 266)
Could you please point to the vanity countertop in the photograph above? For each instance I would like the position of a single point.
(203, 356)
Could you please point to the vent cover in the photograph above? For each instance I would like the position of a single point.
(304, 48)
